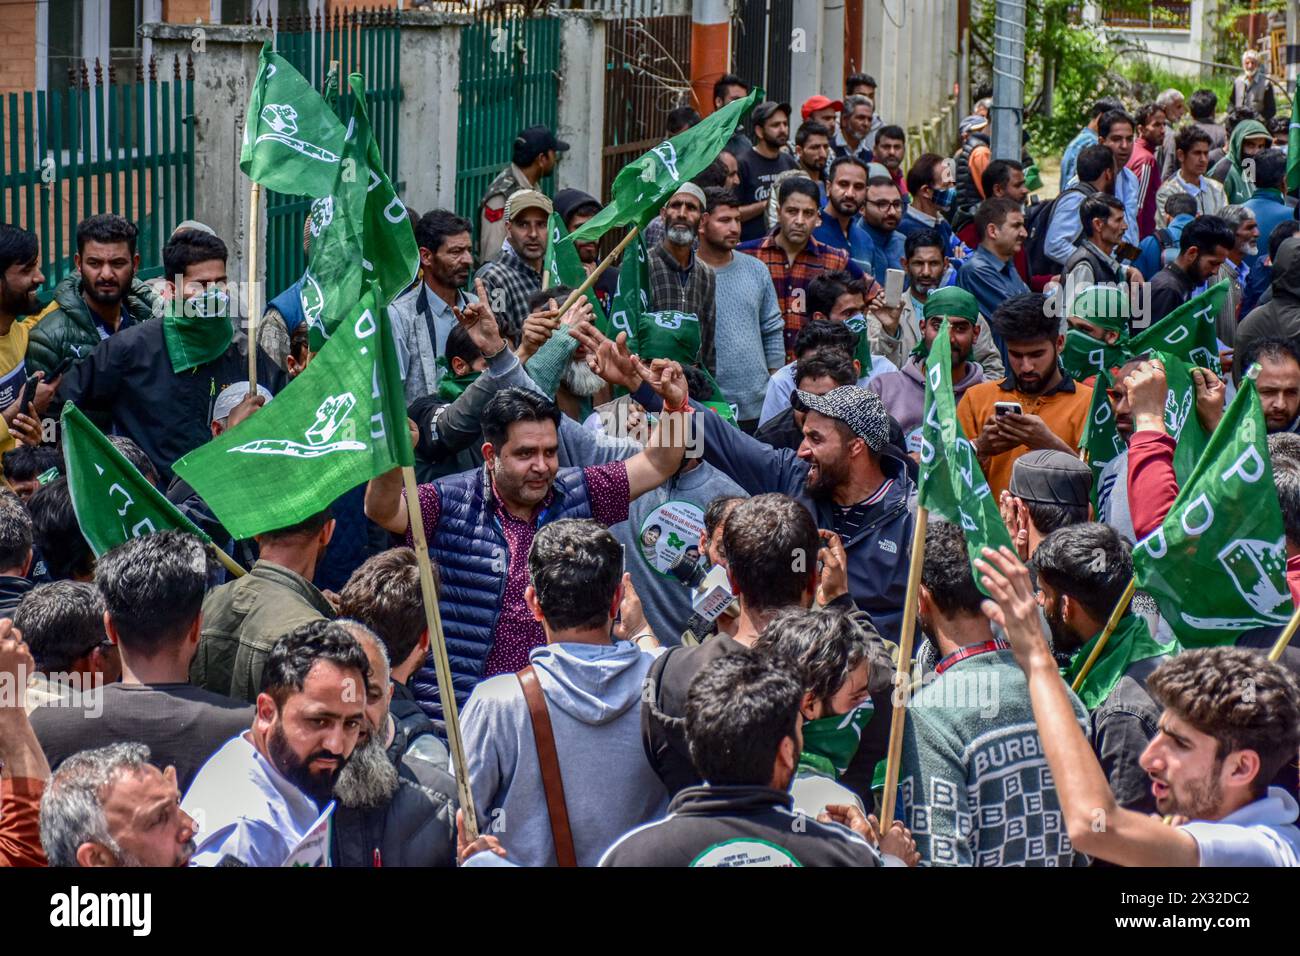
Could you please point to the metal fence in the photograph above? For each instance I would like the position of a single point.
(508, 82)
(648, 70)
(356, 41)
(760, 46)
(100, 146)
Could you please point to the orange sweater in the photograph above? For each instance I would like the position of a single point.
(1065, 410)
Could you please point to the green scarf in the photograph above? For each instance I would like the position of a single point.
(1131, 642)
(451, 387)
(830, 742)
(194, 340)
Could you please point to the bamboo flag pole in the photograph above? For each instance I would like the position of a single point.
(1120, 607)
(229, 563)
(903, 674)
(254, 243)
(1285, 638)
(438, 644)
(605, 263)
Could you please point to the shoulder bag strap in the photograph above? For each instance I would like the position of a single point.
(549, 762)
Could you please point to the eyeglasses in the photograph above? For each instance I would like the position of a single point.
(884, 205)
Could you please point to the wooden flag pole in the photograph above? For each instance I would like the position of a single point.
(903, 673)
(605, 263)
(229, 563)
(438, 645)
(254, 243)
(1120, 607)
(1285, 637)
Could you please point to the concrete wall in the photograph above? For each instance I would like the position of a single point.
(427, 129)
(581, 102)
(223, 77)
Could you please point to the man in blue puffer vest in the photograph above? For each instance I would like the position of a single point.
(480, 524)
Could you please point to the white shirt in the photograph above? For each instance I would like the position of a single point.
(781, 386)
(242, 807)
(1262, 833)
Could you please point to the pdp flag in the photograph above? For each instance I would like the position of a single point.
(360, 233)
(112, 500)
(643, 185)
(292, 139)
(338, 424)
(1217, 564)
(564, 267)
(952, 484)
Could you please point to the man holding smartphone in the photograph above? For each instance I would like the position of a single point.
(1037, 404)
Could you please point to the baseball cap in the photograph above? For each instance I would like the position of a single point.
(819, 102)
(972, 123)
(527, 199)
(861, 410)
(1051, 477)
(569, 200)
(537, 140)
(763, 110)
(231, 396)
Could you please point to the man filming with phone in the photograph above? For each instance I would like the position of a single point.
(23, 397)
(1036, 406)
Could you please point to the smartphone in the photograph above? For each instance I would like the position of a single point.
(60, 368)
(1007, 408)
(30, 394)
(893, 287)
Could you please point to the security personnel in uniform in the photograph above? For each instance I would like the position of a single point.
(535, 154)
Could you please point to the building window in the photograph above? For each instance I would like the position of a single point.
(1158, 15)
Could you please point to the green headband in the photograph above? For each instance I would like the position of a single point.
(952, 302)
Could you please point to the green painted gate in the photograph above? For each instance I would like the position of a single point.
(508, 82)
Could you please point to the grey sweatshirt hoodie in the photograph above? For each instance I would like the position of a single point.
(903, 392)
(593, 695)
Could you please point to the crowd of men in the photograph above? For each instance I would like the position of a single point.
(671, 651)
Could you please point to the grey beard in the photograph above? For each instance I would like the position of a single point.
(369, 778)
(581, 380)
(679, 235)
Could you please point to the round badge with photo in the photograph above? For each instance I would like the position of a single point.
(669, 530)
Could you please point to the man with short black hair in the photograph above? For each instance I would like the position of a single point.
(589, 686)
(475, 520)
(748, 341)
(1278, 383)
(243, 618)
(1202, 104)
(1202, 247)
(63, 624)
(818, 371)
(56, 535)
(1085, 137)
(1267, 202)
(973, 783)
(930, 184)
(1150, 137)
(1118, 130)
(384, 595)
(887, 149)
(1231, 721)
(15, 553)
(534, 156)
(812, 149)
(259, 799)
(760, 166)
(27, 467)
(744, 725)
(882, 210)
(423, 317)
(20, 313)
(1192, 151)
(178, 364)
(793, 256)
(989, 273)
(152, 588)
(1083, 571)
(1053, 407)
(99, 298)
(1093, 260)
(1097, 171)
(726, 88)
(841, 224)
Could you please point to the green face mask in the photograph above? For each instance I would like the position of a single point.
(829, 743)
(199, 331)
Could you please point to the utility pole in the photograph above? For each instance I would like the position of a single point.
(1008, 110)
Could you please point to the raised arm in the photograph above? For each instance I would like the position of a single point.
(1098, 826)
(662, 455)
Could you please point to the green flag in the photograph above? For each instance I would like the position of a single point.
(632, 298)
(292, 139)
(339, 423)
(642, 186)
(1217, 563)
(359, 234)
(952, 484)
(1189, 332)
(112, 500)
(1293, 146)
(1101, 440)
(563, 266)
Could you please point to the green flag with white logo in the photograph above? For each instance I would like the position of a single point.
(952, 484)
(360, 232)
(1189, 333)
(643, 185)
(338, 424)
(292, 139)
(632, 297)
(112, 500)
(1217, 563)
(563, 267)
(1101, 440)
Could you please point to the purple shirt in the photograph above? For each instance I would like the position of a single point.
(516, 632)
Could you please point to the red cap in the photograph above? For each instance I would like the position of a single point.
(819, 102)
